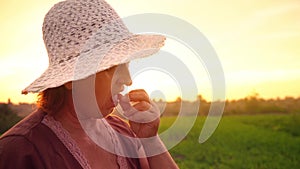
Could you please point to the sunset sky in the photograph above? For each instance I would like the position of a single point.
(257, 42)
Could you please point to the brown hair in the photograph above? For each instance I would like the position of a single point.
(51, 100)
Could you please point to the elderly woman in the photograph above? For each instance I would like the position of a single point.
(89, 50)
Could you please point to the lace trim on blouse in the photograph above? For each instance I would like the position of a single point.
(64, 136)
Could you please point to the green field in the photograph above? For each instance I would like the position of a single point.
(258, 142)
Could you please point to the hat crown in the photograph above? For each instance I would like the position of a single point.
(70, 24)
(83, 37)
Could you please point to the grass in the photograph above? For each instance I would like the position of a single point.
(241, 142)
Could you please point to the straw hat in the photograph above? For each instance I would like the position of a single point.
(83, 37)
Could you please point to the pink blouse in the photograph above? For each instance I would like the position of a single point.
(71, 145)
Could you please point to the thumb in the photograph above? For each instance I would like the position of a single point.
(124, 102)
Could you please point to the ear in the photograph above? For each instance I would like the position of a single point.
(68, 85)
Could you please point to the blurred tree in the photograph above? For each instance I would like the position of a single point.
(178, 99)
(203, 107)
(253, 104)
(7, 118)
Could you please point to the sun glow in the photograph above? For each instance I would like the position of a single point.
(257, 43)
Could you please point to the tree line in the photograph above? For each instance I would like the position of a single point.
(250, 105)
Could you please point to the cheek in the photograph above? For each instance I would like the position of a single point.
(103, 96)
(103, 93)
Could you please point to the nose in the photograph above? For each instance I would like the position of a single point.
(124, 75)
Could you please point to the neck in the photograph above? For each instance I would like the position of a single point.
(68, 117)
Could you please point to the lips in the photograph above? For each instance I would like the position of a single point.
(115, 93)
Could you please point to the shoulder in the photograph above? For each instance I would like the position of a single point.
(31, 144)
(16, 147)
(14, 144)
(25, 126)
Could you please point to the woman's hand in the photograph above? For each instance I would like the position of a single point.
(143, 118)
(143, 115)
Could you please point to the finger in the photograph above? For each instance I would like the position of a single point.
(141, 116)
(128, 109)
(124, 102)
(141, 112)
(142, 106)
(138, 95)
(137, 90)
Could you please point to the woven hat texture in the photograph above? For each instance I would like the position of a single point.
(83, 37)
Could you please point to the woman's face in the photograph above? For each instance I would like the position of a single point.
(108, 84)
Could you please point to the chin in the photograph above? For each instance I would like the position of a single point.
(107, 112)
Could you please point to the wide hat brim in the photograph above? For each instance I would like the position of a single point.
(97, 60)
